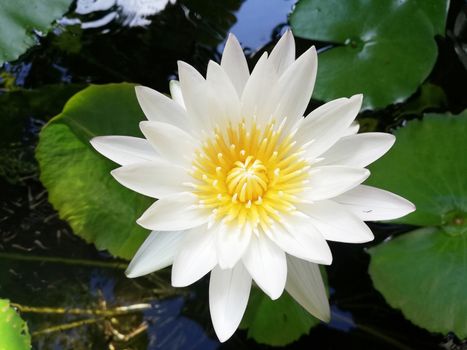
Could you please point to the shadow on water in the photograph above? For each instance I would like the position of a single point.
(74, 297)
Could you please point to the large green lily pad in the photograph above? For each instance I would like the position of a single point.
(384, 49)
(427, 165)
(14, 333)
(18, 20)
(276, 322)
(78, 179)
(423, 272)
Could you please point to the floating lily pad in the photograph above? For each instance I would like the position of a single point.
(427, 165)
(18, 20)
(14, 333)
(78, 178)
(384, 49)
(423, 272)
(276, 322)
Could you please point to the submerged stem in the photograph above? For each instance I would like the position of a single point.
(120, 310)
(66, 261)
(66, 326)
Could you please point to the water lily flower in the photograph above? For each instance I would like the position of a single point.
(248, 189)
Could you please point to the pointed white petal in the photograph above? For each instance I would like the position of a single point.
(124, 150)
(196, 257)
(193, 87)
(171, 142)
(283, 54)
(176, 92)
(234, 64)
(336, 223)
(297, 236)
(330, 181)
(323, 127)
(353, 128)
(229, 291)
(157, 178)
(172, 213)
(370, 203)
(358, 150)
(266, 263)
(232, 242)
(157, 252)
(158, 107)
(293, 90)
(305, 285)
(255, 99)
(224, 103)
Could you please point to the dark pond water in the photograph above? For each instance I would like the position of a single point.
(42, 264)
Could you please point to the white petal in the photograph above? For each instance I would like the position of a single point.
(255, 96)
(234, 64)
(195, 258)
(171, 142)
(358, 150)
(224, 103)
(157, 252)
(297, 236)
(283, 54)
(336, 223)
(305, 285)
(327, 124)
(330, 181)
(176, 92)
(229, 291)
(353, 128)
(194, 88)
(232, 242)
(370, 203)
(124, 150)
(157, 178)
(158, 107)
(293, 90)
(266, 263)
(172, 213)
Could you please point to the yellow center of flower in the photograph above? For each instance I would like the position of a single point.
(249, 175)
(248, 180)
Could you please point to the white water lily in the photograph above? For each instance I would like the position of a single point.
(247, 188)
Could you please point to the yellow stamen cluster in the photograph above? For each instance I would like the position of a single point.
(249, 175)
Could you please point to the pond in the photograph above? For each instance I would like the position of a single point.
(74, 296)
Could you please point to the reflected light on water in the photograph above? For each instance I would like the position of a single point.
(131, 13)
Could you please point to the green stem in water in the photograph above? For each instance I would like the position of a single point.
(120, 310)
(66, 261)
(67, 326)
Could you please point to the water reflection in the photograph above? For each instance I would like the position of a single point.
(130, 13)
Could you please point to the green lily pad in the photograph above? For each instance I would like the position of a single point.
(276, 322)
(78, 178)
(14, 333)
(384, 49)
(423, 273)
(18, 20)
(427, 166)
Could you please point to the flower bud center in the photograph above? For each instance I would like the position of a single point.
(247, 179)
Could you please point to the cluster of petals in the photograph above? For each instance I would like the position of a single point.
(248, 188)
